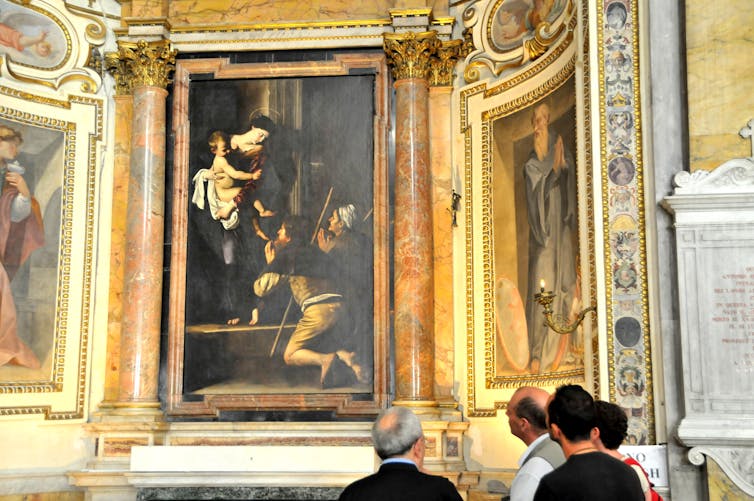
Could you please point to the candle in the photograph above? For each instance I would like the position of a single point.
(542, 284)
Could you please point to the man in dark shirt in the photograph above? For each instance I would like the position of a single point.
(399, 441)
(587, 475)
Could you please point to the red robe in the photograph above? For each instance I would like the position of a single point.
(17, 242)
(10, 37)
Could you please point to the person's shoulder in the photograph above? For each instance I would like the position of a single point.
(441, 484)
(356, 488)
(604, 462)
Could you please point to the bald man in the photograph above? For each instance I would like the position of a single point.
(399, 441)
(526, 418)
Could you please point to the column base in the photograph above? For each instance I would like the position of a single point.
(416, 405)
(114, 411)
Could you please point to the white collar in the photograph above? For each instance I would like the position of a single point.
(531, 447)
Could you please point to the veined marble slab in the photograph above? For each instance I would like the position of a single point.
(261, 459)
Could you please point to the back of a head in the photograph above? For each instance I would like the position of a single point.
(612, 423)
(572, 409)
(533, 412)
(529, 403)
(347, 214)
(395, 431)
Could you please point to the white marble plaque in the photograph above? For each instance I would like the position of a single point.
(714, 220)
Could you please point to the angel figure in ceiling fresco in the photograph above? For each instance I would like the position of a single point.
(28, 37)
(517, 18)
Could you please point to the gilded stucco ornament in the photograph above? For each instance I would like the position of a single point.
(141, 64)
(117, 68)
(544, 37)
(505, 37)
(444, 62)
(410, 54)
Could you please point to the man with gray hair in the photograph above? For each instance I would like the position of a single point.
(351, 252)
(399, 441)
(527, 421)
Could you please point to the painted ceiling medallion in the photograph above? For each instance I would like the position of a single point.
(510, 34)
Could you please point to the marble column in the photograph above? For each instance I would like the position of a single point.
(121, 165)
(148, 66)
(443, 219)
(409, 57)
(123, 113)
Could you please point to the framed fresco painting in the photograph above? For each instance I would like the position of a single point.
(535, 148)
(48, 157)
(279, 277)
(527, 210)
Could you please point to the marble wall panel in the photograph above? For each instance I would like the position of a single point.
(719, 43)
(121, 158)
(246, 12)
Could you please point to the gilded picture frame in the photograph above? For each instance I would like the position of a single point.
(497, 122)
(322, 158)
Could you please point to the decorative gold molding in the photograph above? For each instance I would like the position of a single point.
(444, 62)
(443, 21)
(424, 11)
(141, 64)
(468, 42)
(409, 54)
(203, 28)
(628, 99)
(94, 15)
(589, 201)
(542, 40)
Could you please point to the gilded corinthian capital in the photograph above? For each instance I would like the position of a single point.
(442, 64)
(409, 54)
(141, 63)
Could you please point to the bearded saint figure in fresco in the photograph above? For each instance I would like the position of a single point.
(551, 207)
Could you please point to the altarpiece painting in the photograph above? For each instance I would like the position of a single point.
(279, 287)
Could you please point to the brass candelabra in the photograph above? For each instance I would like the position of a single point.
(456, 199)
(554, 321)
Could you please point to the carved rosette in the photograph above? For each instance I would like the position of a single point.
(443, 63)
(141, 64)
(410, 54)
